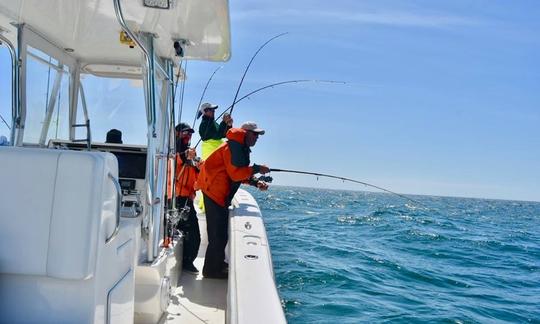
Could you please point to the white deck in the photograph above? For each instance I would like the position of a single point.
(198, 300)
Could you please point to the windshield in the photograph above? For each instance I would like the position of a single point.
(47, 98)
(113, 104)
(5, 95)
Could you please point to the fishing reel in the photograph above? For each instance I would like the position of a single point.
(173, 216)
(267, 179)
(183, 213)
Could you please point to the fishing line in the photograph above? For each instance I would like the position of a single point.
(272, 86)
(243, 77)
(202, 96)
(278, 84)
(350, 180)
(249, 64)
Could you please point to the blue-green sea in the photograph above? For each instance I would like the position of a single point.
(361, 257)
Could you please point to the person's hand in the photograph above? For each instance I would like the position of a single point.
(263, 169)
(197, 162)
(191, 154)
(227, 119)
(263, 186)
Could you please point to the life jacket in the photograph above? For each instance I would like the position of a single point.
(227, 167)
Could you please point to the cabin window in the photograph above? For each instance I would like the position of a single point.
(113, 103)
(47, 98)
(5, 92)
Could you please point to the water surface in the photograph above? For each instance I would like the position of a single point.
(353, 257)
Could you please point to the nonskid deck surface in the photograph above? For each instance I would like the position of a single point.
(198, 300)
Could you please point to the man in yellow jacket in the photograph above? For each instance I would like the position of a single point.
(211, 132)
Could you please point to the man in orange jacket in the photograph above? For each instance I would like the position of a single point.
(220, 177)
(186, 175)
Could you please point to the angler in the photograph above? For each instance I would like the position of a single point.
(211, 132)
(220, 177)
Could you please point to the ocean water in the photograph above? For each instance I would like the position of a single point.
(356, 257)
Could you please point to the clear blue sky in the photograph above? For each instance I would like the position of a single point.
(443, 96)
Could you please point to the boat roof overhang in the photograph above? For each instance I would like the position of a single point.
(90, 32)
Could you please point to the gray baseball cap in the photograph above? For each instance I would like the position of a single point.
(252, 126)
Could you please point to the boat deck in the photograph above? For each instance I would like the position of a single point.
(196, 299)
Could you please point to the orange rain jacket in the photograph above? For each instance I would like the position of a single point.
(186, 176)
(185, 179)
(224, 170)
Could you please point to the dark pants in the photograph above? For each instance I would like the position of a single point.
(217, 227)
(190, 228)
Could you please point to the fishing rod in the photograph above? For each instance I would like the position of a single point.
(272, 86)
(243, 77)
(350, 180)
(202, 96)
(168, 222)
(278, 84)
(5, 122)
(249, 64)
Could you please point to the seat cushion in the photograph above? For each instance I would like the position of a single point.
(54, 208)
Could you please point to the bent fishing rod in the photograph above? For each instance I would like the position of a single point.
(249, 64)
(274, 85)
(202, 96)
(350, 180)
(244, 75)
(269, 87)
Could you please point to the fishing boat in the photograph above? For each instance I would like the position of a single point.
(82, 236)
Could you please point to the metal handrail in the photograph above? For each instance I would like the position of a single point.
(151, 116)
(14, 86)
(118, 206)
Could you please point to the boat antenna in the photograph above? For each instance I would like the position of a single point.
(5, 122)
(249, 64)
(202, 96)
(350, 180)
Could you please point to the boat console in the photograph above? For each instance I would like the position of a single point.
(131, 170)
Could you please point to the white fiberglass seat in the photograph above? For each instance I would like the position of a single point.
(62, 257)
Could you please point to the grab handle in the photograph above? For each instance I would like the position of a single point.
(118, 205)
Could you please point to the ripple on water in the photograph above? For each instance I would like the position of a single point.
(352, 257)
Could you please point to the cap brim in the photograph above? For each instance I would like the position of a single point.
(188, 130)
(259, 131)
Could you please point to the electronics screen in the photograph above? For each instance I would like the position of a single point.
(131, 165)
(127, 184)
